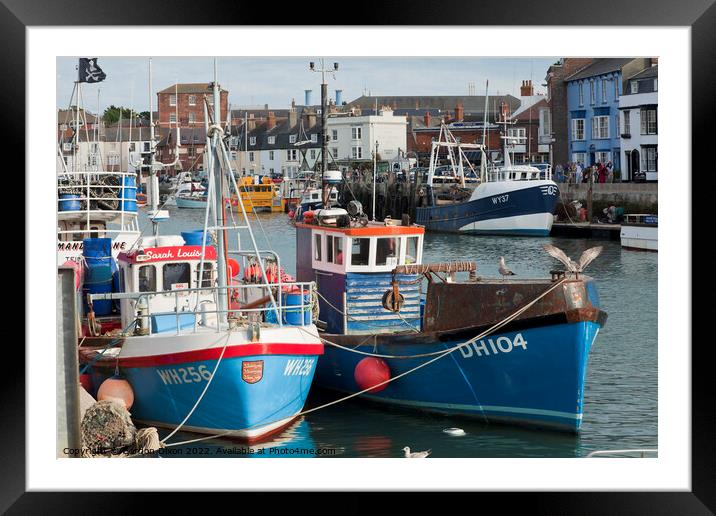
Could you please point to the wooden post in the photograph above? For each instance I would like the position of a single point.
(67, 377)
(589, 195)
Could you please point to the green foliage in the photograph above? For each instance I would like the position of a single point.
(111, 115)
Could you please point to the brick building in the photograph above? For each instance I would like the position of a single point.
(182, 106)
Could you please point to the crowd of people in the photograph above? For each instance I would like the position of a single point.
(576, 172)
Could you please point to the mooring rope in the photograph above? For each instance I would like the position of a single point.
(201, 396)
(440, 354)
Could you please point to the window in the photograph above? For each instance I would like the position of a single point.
(113, 159)
(334, 152)
(604, 91)
(648, 121)
(592, 92)
(634, 86)
(271, 155)
(581, 93)
(329, 248)
(360, 251)
(627, 124)
(334, 136)
(313, 153)
(600, 127)
(292, 155)
(172, 117)
(292, 138)
(206, 274)
(387, 251)
(252, 140)
(272, 140)
(251, 156)
(356, 133)
(337, 250)
(578, 157)
(147, 278)
(196, 137)
(517, 135)
(314, 138)
(648, 159)
(146, 147)
(191, 152)
(601, 156)
(192, 118)
(411, 250)
(357, 152)
(616, 88)
(616, 124)
(172, 100)
(656, 85)
(175, 275)
(192, 100)
(578, 128)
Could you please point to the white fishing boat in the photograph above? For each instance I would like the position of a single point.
(640, 232)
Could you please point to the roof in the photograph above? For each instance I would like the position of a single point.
(647, 73)
(599, 67)
(193, 87)
(281, 133)
(531, 112)
(442, 102)
(65, 116)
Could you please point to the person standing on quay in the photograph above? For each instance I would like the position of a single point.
(610, 172)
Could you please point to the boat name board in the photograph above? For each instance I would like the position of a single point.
(157, 254)
(502, 344)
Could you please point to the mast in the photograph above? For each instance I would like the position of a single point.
(483, 157)
(219, 203)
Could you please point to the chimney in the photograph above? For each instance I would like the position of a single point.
(251, 122)
(308, 97)
(446, 117)
(527, 90)
(426, 119)
(292, 118)
(270, 121)
(339, 97)
(311, 119)
(459, 113)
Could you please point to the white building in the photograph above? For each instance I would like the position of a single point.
(353, 138)
(638, 120)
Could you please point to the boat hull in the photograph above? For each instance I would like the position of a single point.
(257, 390)
(531, 376)
(504, 208)
(190, 203)
(640, 237)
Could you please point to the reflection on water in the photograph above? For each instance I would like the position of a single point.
(620, 409)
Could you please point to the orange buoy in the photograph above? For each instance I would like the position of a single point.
(234, 267)
(118, 389)
(371, 371)
(78, 271)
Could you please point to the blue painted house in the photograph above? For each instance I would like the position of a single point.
(593, 112)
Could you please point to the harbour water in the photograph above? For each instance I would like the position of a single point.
(620, 409)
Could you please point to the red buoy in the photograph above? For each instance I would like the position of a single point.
(233, 266)
(117, 389)
(371, 371)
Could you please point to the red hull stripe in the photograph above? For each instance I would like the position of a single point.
(199, 355)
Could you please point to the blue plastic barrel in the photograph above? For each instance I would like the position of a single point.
(69, 202)
(194, 237)
(98, 273)
(129, 193)
(293, 315)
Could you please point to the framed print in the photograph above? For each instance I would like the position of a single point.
(321, 311)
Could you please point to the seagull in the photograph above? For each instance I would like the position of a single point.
(503, 268)
(575, 267)
(416, 455)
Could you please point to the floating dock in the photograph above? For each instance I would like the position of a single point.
(586, 230)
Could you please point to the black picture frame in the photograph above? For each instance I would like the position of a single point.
(700, 15)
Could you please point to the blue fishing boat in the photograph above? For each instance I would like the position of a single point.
(436, 337)
(508, 200)
(194, 200)
(199, 346)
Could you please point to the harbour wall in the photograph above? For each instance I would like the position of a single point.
(633, 197)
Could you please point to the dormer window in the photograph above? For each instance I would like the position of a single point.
(292, 138)
(314, 138)
(271, 140)
(634, 87)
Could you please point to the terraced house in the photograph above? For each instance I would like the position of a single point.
(593, 94)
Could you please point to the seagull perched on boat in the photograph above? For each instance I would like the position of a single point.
(575, 267)
(503, 268)
(417, 454)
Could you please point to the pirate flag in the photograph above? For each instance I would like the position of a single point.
(90, 71)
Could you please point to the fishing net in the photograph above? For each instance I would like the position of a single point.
(107, 428)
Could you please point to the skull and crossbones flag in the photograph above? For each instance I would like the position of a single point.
(90, 70)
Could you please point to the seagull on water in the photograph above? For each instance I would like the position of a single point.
(574, 267)
(503, 268)
(417, 454)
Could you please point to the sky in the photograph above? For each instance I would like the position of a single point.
(277, 80)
